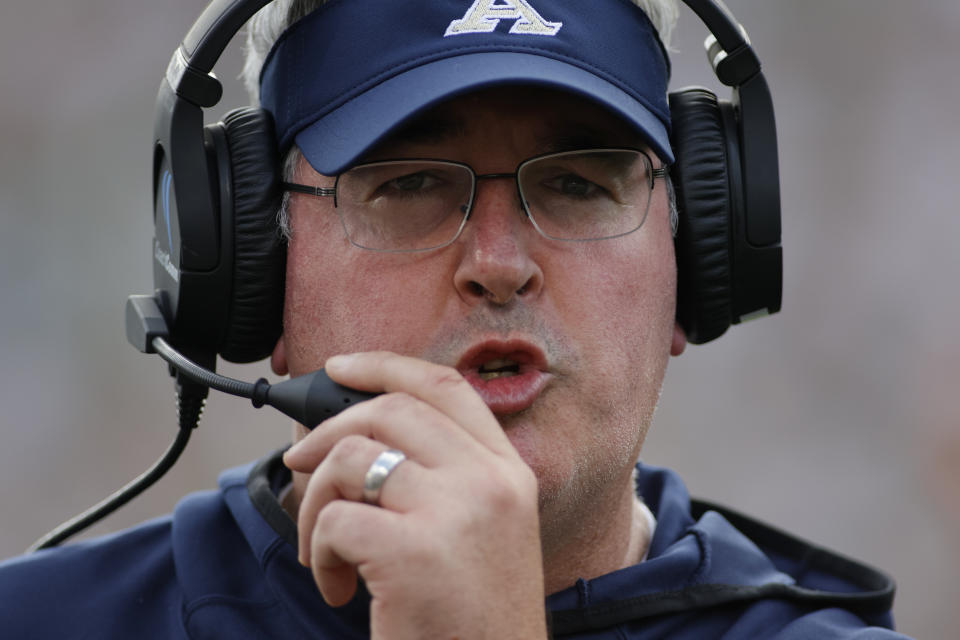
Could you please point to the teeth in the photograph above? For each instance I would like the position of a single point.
(500, 363)
(490, 375)
(499, 368)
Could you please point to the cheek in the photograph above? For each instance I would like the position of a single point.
(624, 317)
(618, 306)
(340, 299)
(309, 297)
(624, 307)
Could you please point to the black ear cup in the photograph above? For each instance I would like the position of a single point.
(255, 313)
(702, 180)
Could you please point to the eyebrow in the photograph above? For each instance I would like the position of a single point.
(431, 129)
(573, 136)
(437, 128)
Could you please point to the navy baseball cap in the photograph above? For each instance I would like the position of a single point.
(341, 79)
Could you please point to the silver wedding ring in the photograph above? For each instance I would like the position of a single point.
(378, 473)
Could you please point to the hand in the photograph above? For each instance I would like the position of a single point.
(453, 549)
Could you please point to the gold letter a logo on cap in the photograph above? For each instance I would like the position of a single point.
(485, 15)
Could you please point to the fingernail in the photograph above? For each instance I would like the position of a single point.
(340, 362)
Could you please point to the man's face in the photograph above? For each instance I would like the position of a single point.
(588, 326)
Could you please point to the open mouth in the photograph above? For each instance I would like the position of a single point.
(498, 368)
(508, 374)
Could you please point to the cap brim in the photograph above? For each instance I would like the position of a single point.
(339, 138)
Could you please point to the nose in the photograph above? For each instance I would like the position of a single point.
(496, 264)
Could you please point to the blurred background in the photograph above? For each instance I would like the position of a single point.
(837, 419)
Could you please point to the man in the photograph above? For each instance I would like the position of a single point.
(482, 233)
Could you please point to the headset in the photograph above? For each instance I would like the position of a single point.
(219, 261)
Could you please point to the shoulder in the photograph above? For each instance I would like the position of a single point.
(130, 584)
(712, 572)
(127, 579)
(200, 572)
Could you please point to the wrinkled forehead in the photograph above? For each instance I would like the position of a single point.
(348, 76)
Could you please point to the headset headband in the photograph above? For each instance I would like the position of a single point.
(189, 71)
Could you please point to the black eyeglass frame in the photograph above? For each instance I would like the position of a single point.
(325, 192)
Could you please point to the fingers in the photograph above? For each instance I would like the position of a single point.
(397, 420)
(429, 412)
(341, 476)
(344, 536)
(459, 511)
(443, 388)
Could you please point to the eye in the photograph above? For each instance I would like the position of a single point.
(412, 182)
(573, 185)
(576, 185)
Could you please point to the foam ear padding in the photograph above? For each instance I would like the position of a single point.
(256, 308)
(703, 242)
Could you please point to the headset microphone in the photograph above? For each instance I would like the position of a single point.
(308, 399)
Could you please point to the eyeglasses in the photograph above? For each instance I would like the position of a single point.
(418, 205)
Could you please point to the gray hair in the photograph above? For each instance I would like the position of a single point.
(265, 27)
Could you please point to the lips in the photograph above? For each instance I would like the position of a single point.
(508, 375)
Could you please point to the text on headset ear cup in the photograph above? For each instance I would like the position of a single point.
(702, 182)
(256, 308)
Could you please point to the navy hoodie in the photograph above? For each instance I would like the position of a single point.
(224, 565)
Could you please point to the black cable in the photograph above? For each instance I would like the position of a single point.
(308, 399)
(119, 498)
(190, 401)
